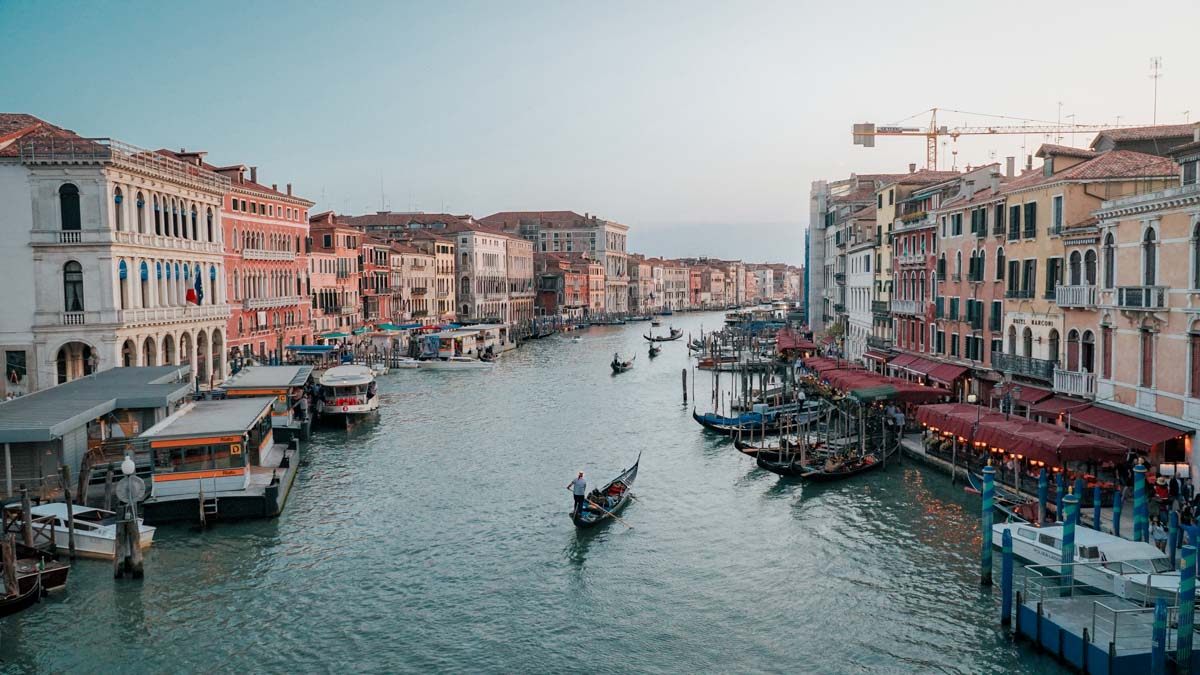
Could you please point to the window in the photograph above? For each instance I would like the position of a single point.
(1029, 279)
(15, 366)
(1000, 264)
(1012, 340)
(327, 242)
(891, 197)
(73, 287)
(981, 266)
(209, 216)
(141, 213)
(118, 210)
(1089, 268)
(1189, 172)
(1088, 352)
(1053, 341)
(1030, 220)
(1053, 275)
(68, 206)
(958, 264)
(1147, 361)
(1056, 205)
(879, 201)
(1027, 342)
(1193, 364)
(941, 266)
(1149, 258)
(997, 314)
(956, 224)
(953, 309)
(1074, 268)
(954, 345)
(998, 221)
(1014, 222)
(1110, 261)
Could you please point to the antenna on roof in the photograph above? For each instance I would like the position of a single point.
(1155, 73)
(382, 206)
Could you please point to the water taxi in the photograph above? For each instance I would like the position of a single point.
(218, 460)
(1133, 570)
(454, 363)
(95, 530)
(287, 385)
(348, 391)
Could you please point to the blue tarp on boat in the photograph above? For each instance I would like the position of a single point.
(311, 349)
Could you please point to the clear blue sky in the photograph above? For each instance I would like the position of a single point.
(700, 125)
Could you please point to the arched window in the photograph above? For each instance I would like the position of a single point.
(1149, 258)
(1073, 350)
(1074, 269)
(941, 266)
(73, 287)
(921, 297)
(236, 244)
(1000, 263)
(981, 266)
(1053, 342)
(141, 213)
(123, 280)
(209, 217)
(1146, 374)
(158, 216)
(144, 276)
(1027, 342)
(1087, 352)
(971, 263)
(174, 219)
(68, 205)
(958, 264)
(1089, 267)
(119, 209)
(195, 224)
(1196, 255)
(1110, 261)
(1012, 340)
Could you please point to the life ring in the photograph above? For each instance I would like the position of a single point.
(345, 408)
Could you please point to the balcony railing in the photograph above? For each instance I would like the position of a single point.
(907, 307)
(1075, 296)
(880, 308)
(73, 318)
(1142, 297)
(45, 150)
(1075, 383)
(875, 342)
(839, 277)
(1040, 369)
(263, 254)
(419, 290)
(1054, 230)
(267, 303)
(161, 315)
(1019, 293)
(957, 276)
(1029, 233)
(348, 310)
(70, 237)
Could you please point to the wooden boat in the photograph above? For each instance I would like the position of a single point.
(619, 366)
(95, 530)
(743, 425)
(675, 335)
(53, 573)
(616, 495)
(655, 350)
(816, 472)
(655, 323)
(1014, 506)
(22, 599)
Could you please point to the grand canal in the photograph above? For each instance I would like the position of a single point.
(437, 539)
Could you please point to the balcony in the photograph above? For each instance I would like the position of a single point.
(108, 151)
(1075, 296)
(419, 290)
(263, 254)
(108, 237)
(1054, 231)
(73, 318)
(1039, 369)
(1019, 293)
(164, 315)
(839, 277)
(1075, 383)
(875, 342)
(957, 276)
(268, 303)
(1146, 298)
(908, 307)
(880, 308)
(348, 310)
(839, 308)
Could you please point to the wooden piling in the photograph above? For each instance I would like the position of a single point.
(8, 554)
(108, 488)
(119, 546)
(134, 537)
(66, 479)
(26, 518)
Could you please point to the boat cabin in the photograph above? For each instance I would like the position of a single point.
(286, 385)
(451, 343)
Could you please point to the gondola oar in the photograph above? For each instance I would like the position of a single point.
(609, 513)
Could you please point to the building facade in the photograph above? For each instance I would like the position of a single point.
(338, 244)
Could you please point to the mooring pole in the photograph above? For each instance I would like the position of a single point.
(1140, 516)
(1158, 641)
(1059, 491)
(66, 480)
(1117, 513)
(684, 385)
(1006, 578)
(1043, 493)
(1187, 612)
(985, 557)
(1071, 504)
(1096, 508)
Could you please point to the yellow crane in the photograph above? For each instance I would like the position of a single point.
(866, 132)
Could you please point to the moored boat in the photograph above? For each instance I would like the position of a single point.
(601, 505)
(454, 363)
(95, 529)
(347, 390)
(15, 602)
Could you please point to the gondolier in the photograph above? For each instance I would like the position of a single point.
(578, 488)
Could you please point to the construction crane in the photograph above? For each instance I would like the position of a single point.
(865, 133)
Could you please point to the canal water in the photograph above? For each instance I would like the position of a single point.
(437, 538)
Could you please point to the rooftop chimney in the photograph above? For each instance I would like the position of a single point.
(969, 188)
(275, 187)
(995, 183)
(1010, 167)
(1196, 134)
(912, 167)
(1029, 162)
(289, 188)
(254, 174)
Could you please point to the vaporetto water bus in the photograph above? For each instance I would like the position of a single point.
(347, 391)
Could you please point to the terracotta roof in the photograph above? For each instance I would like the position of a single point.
(402, 220)
(1184, 149)
(1113, 164)
(405, 248)
(197, 159)
(1159, 132)
(924, 177)
(1050, 149)
(865, 212)
(543, 218)
(15, 127)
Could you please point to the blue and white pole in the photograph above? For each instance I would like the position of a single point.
(1071, 504)
(1158, 641)
(1117, 513)
(985, 561)
(1141, 517)
(1187, 611)
(1006, 577)
(1096, 508)
(1059, 491)
(1043, 492)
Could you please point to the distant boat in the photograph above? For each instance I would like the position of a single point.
(656, 323)
(675, 335)
(616, 494)
(655, 350)
(619, 366)
(454, 363)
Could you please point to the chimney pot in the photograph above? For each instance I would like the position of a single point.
(1010, 167)
(254, 174)
(289, 188)
(912, 167)
(275, 187)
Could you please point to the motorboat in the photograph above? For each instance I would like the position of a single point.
(656, 323)
(379, 368)
(405, 363)
(347, 390)
(454, 363)
(95, 529)
(577, 338)
(1133, 570)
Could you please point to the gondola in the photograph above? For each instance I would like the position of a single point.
(742, 424)
(619, 366)
(23, 599)
(816, 473)
(675, 335)
(655, 350)
(618, 488)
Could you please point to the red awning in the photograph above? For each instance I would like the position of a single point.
(1028, 395)
(902, 360)
(921, 366)
(879, 357)
(1051, 407)
(1015, 434)
(1137, 432)
(947, 373)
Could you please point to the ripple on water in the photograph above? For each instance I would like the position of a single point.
(436, 538)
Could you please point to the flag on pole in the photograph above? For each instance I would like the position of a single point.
(195, 294)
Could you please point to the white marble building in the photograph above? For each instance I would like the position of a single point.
(105, 244)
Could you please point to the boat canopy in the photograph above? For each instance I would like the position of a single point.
(347, 376)
(311, 349)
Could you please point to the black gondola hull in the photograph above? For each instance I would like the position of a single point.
(628, 476)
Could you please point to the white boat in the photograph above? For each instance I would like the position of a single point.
(405, 363)
(656, 323)
(347, 390)
(379, 368)
(577, 338)
(1136, 571)
(454, 363)
(95, 530)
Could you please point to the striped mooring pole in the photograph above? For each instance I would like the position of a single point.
(1096, 508)
(1006, 577)
(1141, 516)
(1158, 640)
(1187, 611)
(985, 558)
(1117, 513)
(1043, 492)
(1080, 491)
(1071, 505)
(1059, 491)
(1173, 538)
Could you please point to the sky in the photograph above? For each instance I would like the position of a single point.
(701, 125)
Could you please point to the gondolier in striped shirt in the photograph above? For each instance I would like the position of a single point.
(578, 488)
